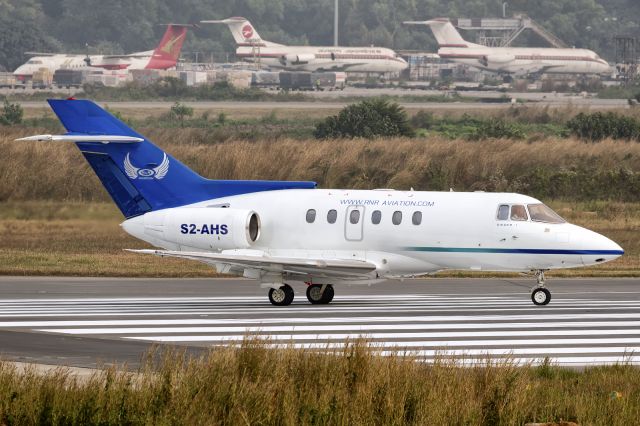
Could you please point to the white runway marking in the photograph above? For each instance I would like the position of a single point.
(569, 330)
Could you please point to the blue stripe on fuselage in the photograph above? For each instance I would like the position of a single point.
(513, 251)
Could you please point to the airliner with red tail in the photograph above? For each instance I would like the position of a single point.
(164, 56)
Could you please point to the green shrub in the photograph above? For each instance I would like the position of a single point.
(11, 114)
(498, 129)
(598, 126)
(366, 119)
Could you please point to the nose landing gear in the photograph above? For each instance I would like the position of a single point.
(540, 295)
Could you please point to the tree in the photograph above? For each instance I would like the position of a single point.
(11, 113)
(180, 111)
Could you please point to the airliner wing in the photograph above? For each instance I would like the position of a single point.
(40, 54)
(336, 268)
(133, 55)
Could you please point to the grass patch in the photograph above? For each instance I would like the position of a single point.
(253, 384)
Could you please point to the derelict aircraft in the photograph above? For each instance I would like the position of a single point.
(252, 48)
(288, 232)
(512, 60)
(164, 56)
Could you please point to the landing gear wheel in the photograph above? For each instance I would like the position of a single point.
(316, 296)
(282, 296)
(540, 296)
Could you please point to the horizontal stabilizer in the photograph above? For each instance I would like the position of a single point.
(82, 138)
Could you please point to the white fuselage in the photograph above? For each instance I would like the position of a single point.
(56, 62)
(311, 58)
(457, 231)
(527, 60)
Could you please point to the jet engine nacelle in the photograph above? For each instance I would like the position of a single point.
(496, 61)
(292, 59)
(206, 228)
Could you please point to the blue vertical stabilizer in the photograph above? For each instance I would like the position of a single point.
(139, 176)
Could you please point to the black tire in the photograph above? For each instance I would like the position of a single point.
(327, 297)
(541, 296)
(282, 296)
(314, 297)
(313, 294)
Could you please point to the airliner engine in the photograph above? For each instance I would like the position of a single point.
(301, 59)
(205, 228)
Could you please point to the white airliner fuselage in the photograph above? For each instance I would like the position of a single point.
(62, 61)
(312, 58)
(517, 61)
(252, 48)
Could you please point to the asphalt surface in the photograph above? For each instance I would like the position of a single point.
(333, 100)
(88, 322)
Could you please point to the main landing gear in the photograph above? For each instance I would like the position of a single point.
(317, 294)
(540, 295)
(282, 296)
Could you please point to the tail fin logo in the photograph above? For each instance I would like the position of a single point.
(247, 31)
(142, 173)
(169, 45)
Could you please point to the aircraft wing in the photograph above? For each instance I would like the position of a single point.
(40, 54)
(133, 55)
(335, 268)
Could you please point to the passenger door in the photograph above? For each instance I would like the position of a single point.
(353, 223)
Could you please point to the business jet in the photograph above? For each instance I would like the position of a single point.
(285, 233)
(164, 56)
(252, 48)
(518, 61)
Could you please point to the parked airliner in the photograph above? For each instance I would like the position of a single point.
(517, 61)
(284, 233)
(252, 48)
(164, 56)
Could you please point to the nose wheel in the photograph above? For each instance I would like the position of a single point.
(282, 296)
(540, 295)
(319, 294)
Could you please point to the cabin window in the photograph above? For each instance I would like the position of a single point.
(542, 213)
(518, 212)
(354, 216)
(503, 212)
(376, 217)
(416, 219)
(311, 216)
(396, 218)
(332, 216)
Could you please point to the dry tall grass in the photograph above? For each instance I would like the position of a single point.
(257, 385)
(550, 168)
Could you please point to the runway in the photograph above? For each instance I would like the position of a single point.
(331, 101)
(89, 321)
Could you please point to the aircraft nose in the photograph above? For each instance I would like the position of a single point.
(599, 249)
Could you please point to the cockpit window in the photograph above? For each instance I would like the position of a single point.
(503, 212)
(518, 212)
(34, 61)
(542, 213)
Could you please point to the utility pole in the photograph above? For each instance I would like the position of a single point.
(335, 23)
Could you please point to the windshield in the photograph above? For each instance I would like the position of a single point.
(542, 213)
